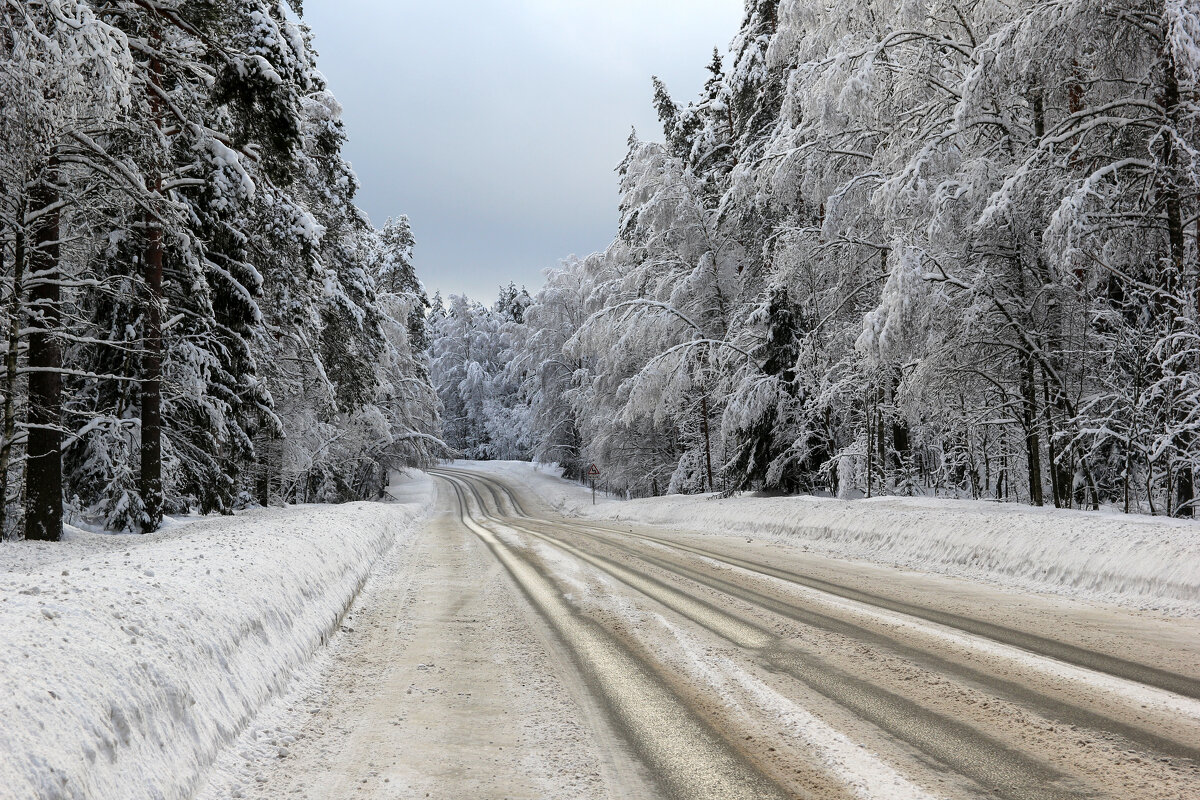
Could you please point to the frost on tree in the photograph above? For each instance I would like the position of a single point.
(477, 376)
(985, 221)
(192, 316)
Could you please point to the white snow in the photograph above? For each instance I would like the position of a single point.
(1063, 674)
(864, 773)
(1133, 561)
(129, 662)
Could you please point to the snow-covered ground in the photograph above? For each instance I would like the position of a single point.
(127, 663)
(1140, 562)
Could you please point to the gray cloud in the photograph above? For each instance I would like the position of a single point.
(497, 124)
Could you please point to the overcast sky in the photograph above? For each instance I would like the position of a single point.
(496, 125)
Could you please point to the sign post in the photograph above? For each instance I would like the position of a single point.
(593, 473)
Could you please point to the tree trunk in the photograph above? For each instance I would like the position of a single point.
(15, 315)
(900, 445)
(264, 483)
(1185, 490)
(870, 441)
(151, 486)
(1060, 475)
(262, 472)
(1033, 445)
(151, 387)
(43, 466)
(881, 440)
(901, 455)
(707, 442)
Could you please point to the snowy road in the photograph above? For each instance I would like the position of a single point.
(521, 654)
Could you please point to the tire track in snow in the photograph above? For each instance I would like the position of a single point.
(692, 761)
(1127, 669)
(1011, 690)
(916, 639)
(996, 768)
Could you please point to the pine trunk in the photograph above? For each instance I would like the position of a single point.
(707, 442)
(264, 477)
(1185, 490)
(151, 486)
(15, 315)
(43, 465)
(1033, 445)
(901, 452)
(881, 441)
(870, 442)
(1060, 471)
(151, 386)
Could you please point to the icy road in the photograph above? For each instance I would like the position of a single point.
(516, 653)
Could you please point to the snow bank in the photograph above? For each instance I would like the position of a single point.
(128, 662)
(1143, 562)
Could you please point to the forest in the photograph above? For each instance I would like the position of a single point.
(919, 249)
(930, 248)
(195, 314)
(860, 463)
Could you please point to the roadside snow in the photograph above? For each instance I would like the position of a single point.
(129, 662)
(1147, 563)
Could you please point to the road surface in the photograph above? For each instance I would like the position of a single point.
(519, 654)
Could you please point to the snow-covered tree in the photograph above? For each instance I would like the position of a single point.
(905, 248)
(473, 350)
(190, 292)
(63, 71)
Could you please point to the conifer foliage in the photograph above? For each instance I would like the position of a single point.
(196, 315)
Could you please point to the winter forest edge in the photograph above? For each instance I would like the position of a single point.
(197, 316)
(929, 248)
(926, 248)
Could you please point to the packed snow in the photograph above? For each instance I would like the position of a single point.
(1141, 562)
(130, 662)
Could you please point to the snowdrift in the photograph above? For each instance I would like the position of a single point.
(128, 663)
(1148, 563)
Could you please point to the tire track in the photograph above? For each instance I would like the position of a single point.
(998, 770)
(994, 684)
(692, 761)
(1126, 669)
(1009, 770)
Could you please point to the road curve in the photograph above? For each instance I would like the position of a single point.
(685, 754)
(732, 676)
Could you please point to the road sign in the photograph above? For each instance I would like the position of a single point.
(593, 473)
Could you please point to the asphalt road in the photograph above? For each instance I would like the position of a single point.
(744, 604)
(517, 653)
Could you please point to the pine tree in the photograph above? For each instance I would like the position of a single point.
(66, 71)
(763, 414)
(43, 462)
